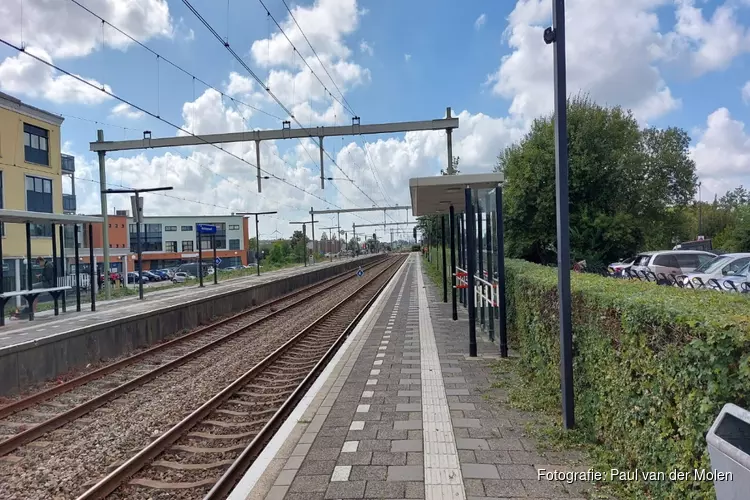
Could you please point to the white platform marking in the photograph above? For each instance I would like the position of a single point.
(368, 394)
(442, 473)
(341, 473)
(350, 446)
(363, 408)
(357, 425)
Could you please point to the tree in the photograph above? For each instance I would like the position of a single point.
(452, 168)
(298, 245)
(627, 186)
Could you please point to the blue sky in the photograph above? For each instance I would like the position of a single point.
(682, 63)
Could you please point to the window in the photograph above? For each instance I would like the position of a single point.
(234, 244)
(206, 243)
(35, 142)
(170, 228)
(170, 246)
(234, 227)
(186, 228)
(687, 262)
(150, 238)
(187, 246)
(666, 260)
(39, 199)
(2, 196)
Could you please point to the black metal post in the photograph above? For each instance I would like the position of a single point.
(92, 263)
(257, 246)
(453, 263)
(563, 222)
(471, 256)
(445, 270)
(304, 243)
(63, 264)
(216, 265)
(2, 276)
(480, 255)
(501, 323)
(78, 267)
(54, 268)
(140, 255)
(490, 277)
(461, 262)
(200, 258)
(29, 272)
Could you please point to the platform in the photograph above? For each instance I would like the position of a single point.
(401, 413)
(50, 346)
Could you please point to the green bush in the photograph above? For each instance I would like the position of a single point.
(653, 366)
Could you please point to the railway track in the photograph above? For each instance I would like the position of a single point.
(30, 418)
(208, 451)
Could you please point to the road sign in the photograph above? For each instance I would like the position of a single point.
(218, 261)
(205, 228)
(360, 272)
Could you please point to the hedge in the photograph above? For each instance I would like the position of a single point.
(653, 366)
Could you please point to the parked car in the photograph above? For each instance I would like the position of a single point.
(671, 262)
(133, 278)
(181, 277)
(619, 269)
(161, 273)
(718, 268)
(736, 281)
(152, 276)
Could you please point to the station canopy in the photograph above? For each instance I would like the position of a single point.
(435, 195)
(23, 216)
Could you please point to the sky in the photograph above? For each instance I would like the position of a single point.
(683, 63)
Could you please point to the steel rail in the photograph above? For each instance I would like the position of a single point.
(43, 395)
(134, 464)
(231, 476)
(57, 421)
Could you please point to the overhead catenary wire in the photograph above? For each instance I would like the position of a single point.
(168, 61)
(153, 115)
(345, 106)
(268, 90)
(350, 109)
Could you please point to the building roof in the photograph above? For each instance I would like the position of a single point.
(435, 195)
(23, 216)
(14, 104)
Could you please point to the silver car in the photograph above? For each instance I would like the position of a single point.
(671, 262)
(721, 267)
(737, 281)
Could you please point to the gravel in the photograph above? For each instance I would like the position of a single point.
(65, 462)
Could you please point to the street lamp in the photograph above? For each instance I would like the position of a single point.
(137, 216)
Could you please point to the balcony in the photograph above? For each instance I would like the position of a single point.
(68, 164)
(69, 203)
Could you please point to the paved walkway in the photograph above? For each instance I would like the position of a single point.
(402, 415)
(46, 323)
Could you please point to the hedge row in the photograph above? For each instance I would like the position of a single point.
(653, 366)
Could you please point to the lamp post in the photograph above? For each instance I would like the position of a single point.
(257, 236)
(137, 216)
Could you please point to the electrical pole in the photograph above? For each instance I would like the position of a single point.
(257, 236)
(137, 215)
(105, 216)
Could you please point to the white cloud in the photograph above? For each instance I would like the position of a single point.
(23, 75)
(480, 21)
(63, 29)
(746, 93)
(123, 110)
(407, 57)
(610, 47)
(722, 154)
(706, 45)
(366, 48)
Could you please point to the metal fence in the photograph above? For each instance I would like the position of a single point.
(740, 285)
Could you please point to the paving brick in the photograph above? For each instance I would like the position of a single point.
(318, 495)
(468, 422)
(306, 484)
(407, 425)
(406, 445)
(324, 454)
(405, 473)
(536, 488)
(503, 488)
(414, 458)
(312, 467)
(508, 443)
(472, 444)
(457, 392)
(479, 471)
(474, 487)
(526, 457)
(461, 406)
(385, 489)
(392, 434)
(374, 445)
(486, 433)
(517, 471)
(368, 473)
(493, 457)
(414, 489)
(415, 434)
(388, 458)
(346, 489)
(409, 407)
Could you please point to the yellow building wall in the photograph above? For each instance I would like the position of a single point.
(14, 170)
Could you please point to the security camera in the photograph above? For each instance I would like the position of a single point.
(549, 35)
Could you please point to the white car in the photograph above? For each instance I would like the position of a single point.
(180, 277)
(718, 268)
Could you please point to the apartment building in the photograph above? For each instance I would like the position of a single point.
(168, 241)
(31, 168)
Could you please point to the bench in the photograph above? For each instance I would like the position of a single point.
(30, 296)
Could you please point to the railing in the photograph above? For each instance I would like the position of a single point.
(70, 280)
(462, 278)
(484, 291)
